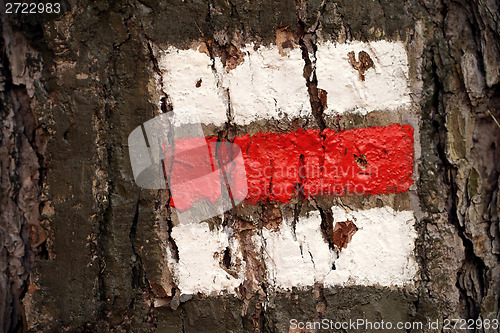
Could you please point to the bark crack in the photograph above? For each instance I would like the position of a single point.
(165, 101)
(307, 42)
(22, 238)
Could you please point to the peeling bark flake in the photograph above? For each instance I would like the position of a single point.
(362, 65)
(342, 233)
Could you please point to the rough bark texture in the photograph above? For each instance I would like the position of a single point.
(82, 248)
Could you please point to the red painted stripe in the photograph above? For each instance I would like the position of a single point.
(368, 161)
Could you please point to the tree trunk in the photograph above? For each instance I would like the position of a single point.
(83, 248)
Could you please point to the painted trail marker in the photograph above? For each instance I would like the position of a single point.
(358, 77)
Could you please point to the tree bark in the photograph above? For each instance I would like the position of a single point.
(83, 249)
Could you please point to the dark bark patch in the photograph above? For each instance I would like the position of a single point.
(285, 39)
(323, 98)
(361, 161)
(226, 262)
(363, 63)
(230, 55)
(342, 233)
(233, 57)
(271, 216)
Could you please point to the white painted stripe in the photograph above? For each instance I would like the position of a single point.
(386, 86)
(182, 69)
(200, 256)
(267, 85)
(379, 254)
(298, 261)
